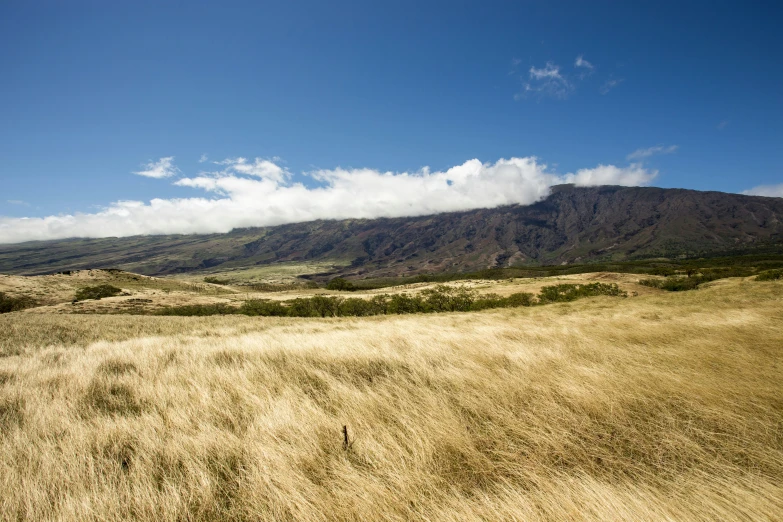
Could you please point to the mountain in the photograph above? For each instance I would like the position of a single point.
(573, 224)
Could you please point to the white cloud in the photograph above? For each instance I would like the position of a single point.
(163, 168)
(261, 193)
(633, 175)
(773, 191)
(581, 62)
(549, 71)
(546, 81)
(260, 168)
(610, 84)
(651, 151)
(723, 124)
(204, 158)
(17, 202)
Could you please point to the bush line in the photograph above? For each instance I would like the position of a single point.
(693, 279)
(440, 299)
(770, 275)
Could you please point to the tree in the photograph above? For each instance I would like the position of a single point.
(341, 284)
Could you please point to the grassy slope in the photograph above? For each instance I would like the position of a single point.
(142, 294)
(662, 407)
(59, 290)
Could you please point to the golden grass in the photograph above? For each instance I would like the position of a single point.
(56, 291)
(659, 407)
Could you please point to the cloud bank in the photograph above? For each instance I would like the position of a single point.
(247, 193)
(772, 191)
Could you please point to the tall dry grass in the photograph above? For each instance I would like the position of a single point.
(660, 407)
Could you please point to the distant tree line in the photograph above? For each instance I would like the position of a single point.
(745, 264)
(694, 277)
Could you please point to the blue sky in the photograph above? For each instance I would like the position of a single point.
(92, 92)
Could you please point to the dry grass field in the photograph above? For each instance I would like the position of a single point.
(662, 406)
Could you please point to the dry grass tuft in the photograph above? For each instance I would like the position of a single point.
(110, 396)
(11, 413)
(117, 367)
(6, 377)
(658, 407)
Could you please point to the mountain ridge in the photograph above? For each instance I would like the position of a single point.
(573, 224)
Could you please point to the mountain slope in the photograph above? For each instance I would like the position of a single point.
(571, 225)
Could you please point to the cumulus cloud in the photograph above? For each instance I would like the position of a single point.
(261, 168)
(261, 193)
(581, 62)
(163, 168)
(204, 158)
(651, 151)
(772, 191)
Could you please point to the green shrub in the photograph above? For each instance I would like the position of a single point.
(673, 284)
(316, 306)
(356, 307)
(96, 292)
(519, 299)
(572, 292)
(770, 275)
(487, 301)
(406, 304)
(324, 306)
(341, 284)
(14, 304)
(696, 278)
(276, 287)
(379, 304)
(444, 298)
(263, 307)
(199, 310)
(662, 271)
(216, 281)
